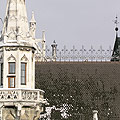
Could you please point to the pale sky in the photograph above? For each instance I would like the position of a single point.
(74, 22)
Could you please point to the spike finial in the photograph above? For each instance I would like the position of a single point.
(43, 35)
(33, 17)
(116, 22)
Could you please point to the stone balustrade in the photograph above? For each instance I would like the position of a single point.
(32, 95)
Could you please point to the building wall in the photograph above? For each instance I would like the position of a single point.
(20, 54)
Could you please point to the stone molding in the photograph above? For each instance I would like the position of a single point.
(15, 49)
(12, 58)
(24, 58)
(11, 48)
(24, 49)
(22, 95)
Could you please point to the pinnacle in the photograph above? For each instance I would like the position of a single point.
(33, 18)
(16, 17)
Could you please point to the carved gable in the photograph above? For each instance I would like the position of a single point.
(24, 58)
(11, 58)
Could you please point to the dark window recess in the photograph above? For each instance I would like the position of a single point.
(12, 68)
(23, 73)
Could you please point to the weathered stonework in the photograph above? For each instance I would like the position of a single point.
(17, 30)
(19, 100)
(27, 113)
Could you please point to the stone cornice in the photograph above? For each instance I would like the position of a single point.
(14, 48)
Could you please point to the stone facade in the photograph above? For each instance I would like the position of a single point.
(18, 54)
(21, 104)
(19, 100)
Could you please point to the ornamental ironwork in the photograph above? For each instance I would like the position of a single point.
(77, 54)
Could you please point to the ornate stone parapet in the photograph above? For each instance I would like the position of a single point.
(21, 104)
(22, 95)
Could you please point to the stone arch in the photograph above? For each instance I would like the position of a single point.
(11, 58)
(24, 58)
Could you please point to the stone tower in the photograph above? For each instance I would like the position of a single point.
(19, 100)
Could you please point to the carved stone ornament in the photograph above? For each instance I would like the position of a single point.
(11, 48)
(27, 49)
(12, 35)
(13, 17)
(24, 49)
(24, 58)
(11, 58)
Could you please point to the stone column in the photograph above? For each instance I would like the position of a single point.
(19, 107)
(95, 116)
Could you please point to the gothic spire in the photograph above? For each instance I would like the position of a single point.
(15, 22)
(116, 49)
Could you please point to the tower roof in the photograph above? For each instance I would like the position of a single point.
(116, 50)
(15, 21)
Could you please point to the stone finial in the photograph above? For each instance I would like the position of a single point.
(32, 26)
(43, 35)
(33, 18)
(54, 50)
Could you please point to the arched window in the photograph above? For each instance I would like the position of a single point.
(24, 61)
(11, 64)
(23, 73)
(11, 71)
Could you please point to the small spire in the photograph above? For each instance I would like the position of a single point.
(116, 22)
(54, 50)
(43, 35)
(54, 44)
(33, 17)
